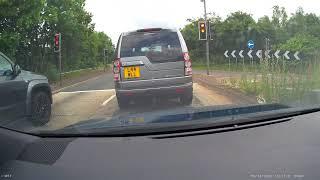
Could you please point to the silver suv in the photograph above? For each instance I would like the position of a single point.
(152, 62)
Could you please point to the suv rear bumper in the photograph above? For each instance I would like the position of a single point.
(167, 91)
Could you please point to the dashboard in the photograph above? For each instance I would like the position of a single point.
(286, 150)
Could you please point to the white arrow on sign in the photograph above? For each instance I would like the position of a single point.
(259, 54)
(276, 54)
(240, 54)
(266, 53)
(249, 54)
(226, 54)
(232, 54)
(286, 55)
(296, 55)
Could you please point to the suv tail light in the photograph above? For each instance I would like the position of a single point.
(116, 69)
(187, 64)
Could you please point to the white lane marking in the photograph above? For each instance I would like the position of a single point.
(108, 100)
(102, 90)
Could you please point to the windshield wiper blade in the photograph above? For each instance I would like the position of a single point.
(181, 126)
(222, 129)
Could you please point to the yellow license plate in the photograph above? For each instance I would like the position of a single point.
(131, 72)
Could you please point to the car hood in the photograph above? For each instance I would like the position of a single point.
(183, 115)
(28, 76)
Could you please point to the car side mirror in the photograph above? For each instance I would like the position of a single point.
(16, 69)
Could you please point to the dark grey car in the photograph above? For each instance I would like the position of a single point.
(152, 62)
(23, 94)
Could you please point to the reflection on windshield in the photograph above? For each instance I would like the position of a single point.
(79, 71)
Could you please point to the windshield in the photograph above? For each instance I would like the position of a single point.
(158, 46)
(92, 66)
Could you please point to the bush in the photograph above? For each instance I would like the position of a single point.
(52, 73)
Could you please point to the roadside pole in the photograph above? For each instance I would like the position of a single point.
(207, 39)
(243, 64)
(60, 62)
(57, 49)
(104, 60)
(60, 68)
(236, 62)
(229, 64)
(105, 63)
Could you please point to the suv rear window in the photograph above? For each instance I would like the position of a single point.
(159, 46)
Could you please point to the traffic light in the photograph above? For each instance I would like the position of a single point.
(202, 30)
(57, 42)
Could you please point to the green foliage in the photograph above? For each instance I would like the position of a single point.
(300, 32)
(27, 29)
(51, 73)
(302, 42)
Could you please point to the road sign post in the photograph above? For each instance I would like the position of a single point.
(227, 56)
(229, 64)
(250, 45)
(242, 57)
(250, 57)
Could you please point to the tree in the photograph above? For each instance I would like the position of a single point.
(27, 29)
(300, 32)
(308, 44)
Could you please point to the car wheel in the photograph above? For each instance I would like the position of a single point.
(40, 108)
(123, 103)
(186, 99)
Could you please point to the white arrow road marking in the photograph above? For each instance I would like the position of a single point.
(240, 54)
(249, 54)
(286, 55)
(234, 51)
(259, 54)
(226, 54)
(276, 54)
(296, 55)
(266, 53)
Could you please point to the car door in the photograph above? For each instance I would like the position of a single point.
(13, 91)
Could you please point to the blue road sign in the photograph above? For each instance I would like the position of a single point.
(250, 44)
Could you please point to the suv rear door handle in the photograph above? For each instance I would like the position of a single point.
(132, 63)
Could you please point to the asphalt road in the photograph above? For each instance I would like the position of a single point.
(95, 99)
(102, 82)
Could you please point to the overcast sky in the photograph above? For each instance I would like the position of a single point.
(116, 16)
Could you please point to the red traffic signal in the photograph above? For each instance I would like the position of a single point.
(57, 42)
(202, 30)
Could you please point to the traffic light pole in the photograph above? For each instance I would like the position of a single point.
(105, 63)
(57, 49)
(207, 38)
(60, 68)
(60, 62)
(105, 59)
